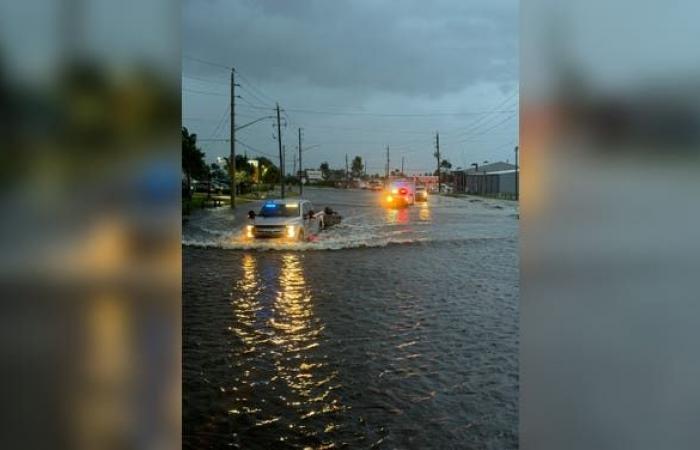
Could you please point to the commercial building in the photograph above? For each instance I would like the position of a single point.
(495, 180)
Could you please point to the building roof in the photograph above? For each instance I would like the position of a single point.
(493, 167)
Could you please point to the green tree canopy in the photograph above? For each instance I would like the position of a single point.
(193, 164)
(357, 166)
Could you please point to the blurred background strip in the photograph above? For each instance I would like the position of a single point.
(90, 229)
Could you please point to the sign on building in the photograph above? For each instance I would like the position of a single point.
(314, 175)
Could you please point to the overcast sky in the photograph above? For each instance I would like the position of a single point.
(356, 76)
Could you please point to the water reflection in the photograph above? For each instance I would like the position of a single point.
(246, 305)
(397, 216)
(305, 373)
(424, 212)
(278, 358)
(247, 327)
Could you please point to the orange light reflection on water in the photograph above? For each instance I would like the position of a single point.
(288, 339)
(424, 212)
(297, 335)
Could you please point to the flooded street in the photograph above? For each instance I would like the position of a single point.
(395, 329)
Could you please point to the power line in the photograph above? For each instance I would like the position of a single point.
(204, 80)
(384, 114)
(326, 127)
(481, 120)
(253, 149)
(245, 100)
(255, 88)
(213, 119)
(253, 94)
(222, 120)
(485, 131)
(203, 61)
(204, 92)
(497, 125)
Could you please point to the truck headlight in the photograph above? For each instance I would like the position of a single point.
(291, 231)
(249, 230)
(389, 198)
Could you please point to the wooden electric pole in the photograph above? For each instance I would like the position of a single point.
(279, 145)
(232, 164)
(437, 155)
(301, 168)
(386, 178)
(347, 180)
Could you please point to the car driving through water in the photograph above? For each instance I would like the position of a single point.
(288, 219)
(399, 194)
(293, 220)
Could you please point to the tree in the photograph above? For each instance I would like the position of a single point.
(242, 165)
(271, 174)
(325, 169)
(193, 164)
(217, 172)
(445, 164)
(357, 166)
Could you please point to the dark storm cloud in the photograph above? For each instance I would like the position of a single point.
(364, 55)
(408, 47)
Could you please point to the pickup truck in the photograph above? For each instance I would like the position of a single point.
(292, 220)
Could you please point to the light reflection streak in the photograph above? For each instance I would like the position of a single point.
(244, 310)
(424, 213)
(297, 335)
(398, 216)
(278, 352)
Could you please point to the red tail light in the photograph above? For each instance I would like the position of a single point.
(403, 191)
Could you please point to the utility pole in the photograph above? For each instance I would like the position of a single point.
(294, 165)
(402, 161)
(301, 168)
(386, 177)
(437, 155)
(232, 165)
(279, 146)
(517, 175)
(347, 181)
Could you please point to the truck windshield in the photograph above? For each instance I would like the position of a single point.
(280, 210)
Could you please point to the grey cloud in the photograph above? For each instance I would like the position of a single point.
(364, 55)
(412, 47)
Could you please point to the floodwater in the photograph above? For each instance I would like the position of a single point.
(396, 329)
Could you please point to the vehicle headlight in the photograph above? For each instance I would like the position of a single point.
(291, 231)
(389, 198)
(249, 230)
